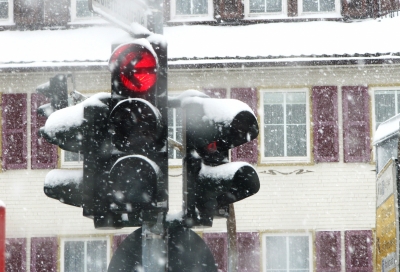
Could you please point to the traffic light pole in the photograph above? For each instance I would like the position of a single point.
(154, 236)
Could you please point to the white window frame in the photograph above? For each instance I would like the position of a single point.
(379, 89)
(318, 14)
(266, 15)
(84, 239)
(10, 19)
(293, 234)
(305, 159)
(372, 92)
(174, 162)
(194, 17)
(69, 164)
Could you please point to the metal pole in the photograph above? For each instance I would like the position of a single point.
(232, 240)
(154, 246)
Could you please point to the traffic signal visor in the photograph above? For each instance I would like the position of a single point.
(65, 127)
(218, 124)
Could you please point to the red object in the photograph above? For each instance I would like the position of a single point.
(212, 147)
(136, 67)
(2, 236)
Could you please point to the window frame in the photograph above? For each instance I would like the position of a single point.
(10, 19)
(269, 160)
(192, 17)
(287, 235)
(372, 92)
(266, 15)
(69, 164)
(326, 14)
(83, 239)
(175, 161)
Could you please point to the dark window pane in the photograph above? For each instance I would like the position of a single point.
(296, 140)
(398, 101)
(310, 5)
(72, 157)
(276, 253)
(296, 114)
(82, 9)
(74, 256)
(273, 141)
(178, 155)
(96, 256)
(257, 6)
(384, 106)
(178, 114)
(273, 114)
(188, 7)
(170, 149)
(274, 5)
(327, 5)
(200, 7)
(3, 10)
(298, 253)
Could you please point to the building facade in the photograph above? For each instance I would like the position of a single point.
(316, 207)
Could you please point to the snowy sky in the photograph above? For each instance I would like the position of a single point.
(42, 48)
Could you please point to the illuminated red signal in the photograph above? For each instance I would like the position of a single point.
(135, 67)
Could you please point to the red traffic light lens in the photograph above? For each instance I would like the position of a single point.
(135, 67)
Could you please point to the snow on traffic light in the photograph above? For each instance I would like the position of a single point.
(213, 126)
(123, 139)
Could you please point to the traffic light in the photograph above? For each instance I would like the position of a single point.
(56, 89)
(138, 176)
(123, 139)
(213, 126)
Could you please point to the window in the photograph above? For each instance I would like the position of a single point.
(318, 5)
(286, 125)
(287, 253)
(387, 105)
(175, 133)
(187, 9)
(71, 159)
(6, 11)
(309, 7)
(85, 255)
(265, 6)
(80, 10)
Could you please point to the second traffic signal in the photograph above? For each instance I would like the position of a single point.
(213, 126)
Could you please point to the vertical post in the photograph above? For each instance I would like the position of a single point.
(154, 236)
(2, 236)
(154, 246)
(232, 240)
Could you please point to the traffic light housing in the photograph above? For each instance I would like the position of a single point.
(123, 139)
(56, 89)
(213, 126)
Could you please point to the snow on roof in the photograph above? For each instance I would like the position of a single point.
(272, 40)
(387, 129)
(284, 39)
